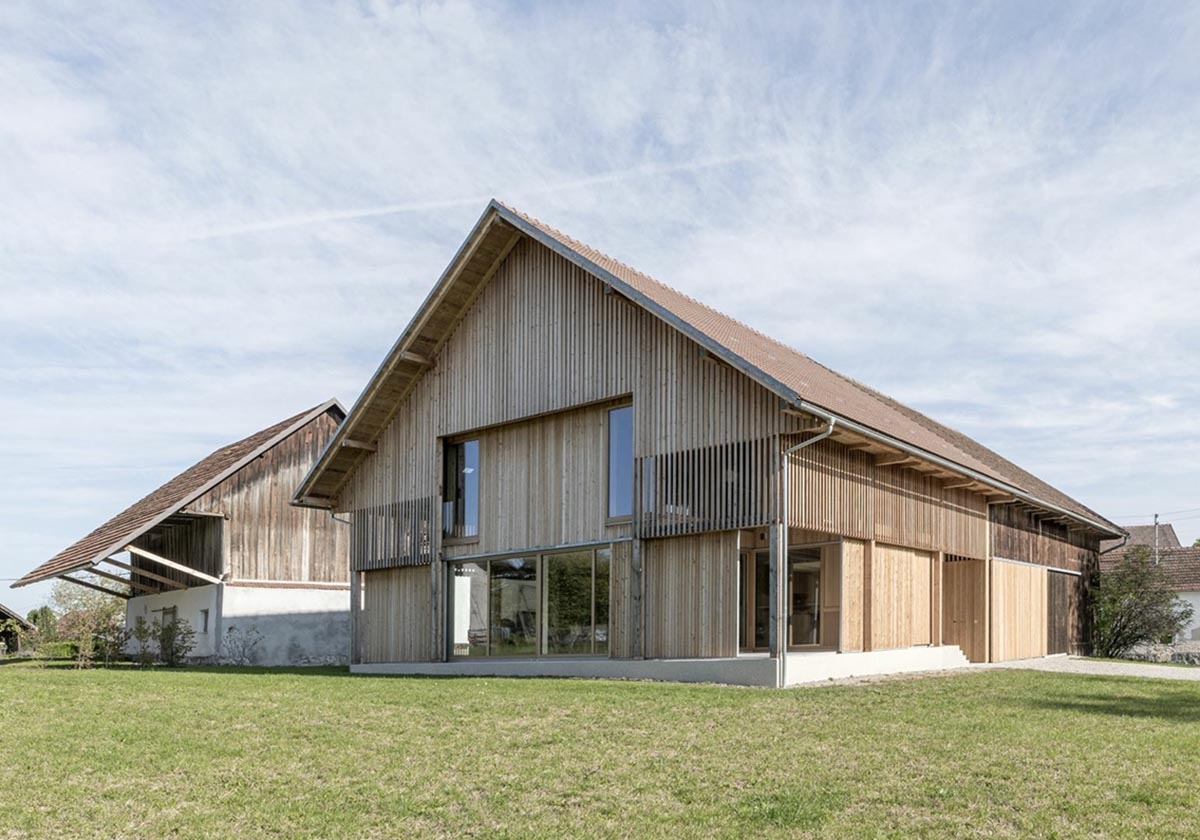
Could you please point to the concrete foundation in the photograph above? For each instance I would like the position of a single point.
(750, 670)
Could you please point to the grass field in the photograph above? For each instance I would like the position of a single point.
(254, 753)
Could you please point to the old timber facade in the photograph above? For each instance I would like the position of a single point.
(220, 547)
(565, 467)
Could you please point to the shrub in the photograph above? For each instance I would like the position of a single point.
(176, 639)
(240, 647)
(1134, 604)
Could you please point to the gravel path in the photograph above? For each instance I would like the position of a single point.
(1072, 665)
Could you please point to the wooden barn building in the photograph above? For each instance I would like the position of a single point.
(564, 467)
(11, 625)
(221, 546)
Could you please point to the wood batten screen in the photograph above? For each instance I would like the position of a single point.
(197, 542)
(965, 609)
(624, 623)
(396, 619)
(853, 594)
(712, 488)
(691, 596)
(393, 534)
(1019, 611)
(840, 490)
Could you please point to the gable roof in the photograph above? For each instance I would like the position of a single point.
(1144, 535)
(801, 382)
(6, 614)
(1180, 565)
(172, 497)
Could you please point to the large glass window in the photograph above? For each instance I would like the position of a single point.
(513, 616)
(554, 603)
(460, 490)
(620, 462)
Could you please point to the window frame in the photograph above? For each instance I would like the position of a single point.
(448, 536)
(540, 557)
(624, 518)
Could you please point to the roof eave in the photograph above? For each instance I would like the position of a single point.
(120, 544)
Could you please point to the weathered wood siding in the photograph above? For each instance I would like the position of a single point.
(265, 537)
(1018, 533)
(900, 597)
(397, 615)
(543, 337)
(268, 538)
(623, 595)
(964, 606)
(691, 607)
(842, 491)
(1019, 611)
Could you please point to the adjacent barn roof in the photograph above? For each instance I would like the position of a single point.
(6, 614)
(1180, 565)
(1144, 535)
(802, 382)
(172, 497)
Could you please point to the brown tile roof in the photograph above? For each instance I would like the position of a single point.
(1181, 565)
(1144, 535)
(784, 370)
(170, 498)
(817, 384)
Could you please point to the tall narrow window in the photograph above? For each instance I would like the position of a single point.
(460, 489)
(620, 462)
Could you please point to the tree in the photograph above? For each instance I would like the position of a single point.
(1135, 604)
(1196, 544)
(94, 622)
(46, 622)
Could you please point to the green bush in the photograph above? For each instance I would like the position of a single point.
(1135, 605)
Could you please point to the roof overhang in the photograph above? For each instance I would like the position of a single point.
(174, 516)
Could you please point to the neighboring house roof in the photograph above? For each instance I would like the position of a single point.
(1180, 565)
(799, 380)
(6, 614)
(172, 497)
(1144, 535)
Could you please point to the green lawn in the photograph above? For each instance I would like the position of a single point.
(256, 753)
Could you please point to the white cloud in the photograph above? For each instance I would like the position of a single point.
(214, 217)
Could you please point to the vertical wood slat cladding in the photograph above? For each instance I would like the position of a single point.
(543, 483)
(621, 602)
(1058, 620)
(1017, 534)
(840, 490)
(900, 597)
(964, 603)
(544, 337)
(396, 615)
(852, 596)
(268, 539)
(1019, 601)
(691, 596)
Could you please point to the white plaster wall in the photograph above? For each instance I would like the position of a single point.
(1192, 631)
(187, 603)
(299, 626)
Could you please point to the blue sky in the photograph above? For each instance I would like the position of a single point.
(215, 217)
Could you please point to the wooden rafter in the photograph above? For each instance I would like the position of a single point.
(897, 460)
(170, 564)
(125, 581)
(166, 581)
(89, 585)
